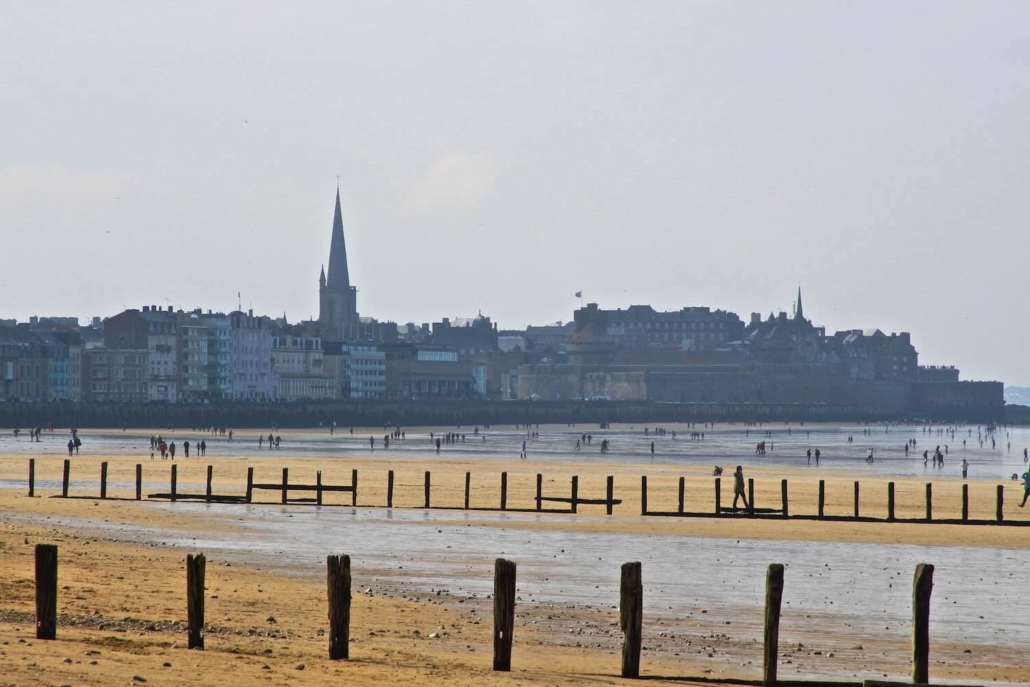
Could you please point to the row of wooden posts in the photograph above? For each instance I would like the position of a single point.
(631, 604)
(574, 500)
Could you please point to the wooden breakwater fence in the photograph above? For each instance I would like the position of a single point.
(631, 616)
(314, 495)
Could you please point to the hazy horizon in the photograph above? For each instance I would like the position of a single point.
(501, 157)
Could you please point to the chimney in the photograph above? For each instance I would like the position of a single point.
(146, 308)
(250, 312)
(169, 308)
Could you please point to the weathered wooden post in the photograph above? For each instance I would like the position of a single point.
(195, 600)
(890, 500)
(103, 480)
(210, 476)
(32, 477)
(856, 499)
(428, 480)
(751, 494)
(338, 586)
(67, 474)
(922, 585)
(539, 491)
(46, 591)
(468, 489)
(354, 487)
(389, 489)
(575, 493)
(773, 598)
(643, 494)
(1000, 503)
(631, 618)
(929, 501)
(609, 494)
(965, 502)
(718, 495)
(318, 487)
(822, 498)
(784, 499)
(250, 484)
(175, 479)
(682, 495)
(504, 612)
(504, 491)
(286, 484)
(139, 481)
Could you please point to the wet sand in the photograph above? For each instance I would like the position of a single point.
(123, 559)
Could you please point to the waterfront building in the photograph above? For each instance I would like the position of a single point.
(251, 341)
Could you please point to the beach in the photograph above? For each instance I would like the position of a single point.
(847, 591)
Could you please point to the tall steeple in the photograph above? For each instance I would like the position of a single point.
(339, 277)
(799, 311)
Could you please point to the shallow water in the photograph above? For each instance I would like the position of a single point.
(725, 445)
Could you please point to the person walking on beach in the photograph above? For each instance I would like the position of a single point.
(171, 450)
(523, 450)
(71, 446)
(809, 456)
(965, 468)
(186, 448)
(1026, 487)
(203, 447)
(738, 488)
(652, 449)
(817, 454)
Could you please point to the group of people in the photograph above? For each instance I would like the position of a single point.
(167, 448)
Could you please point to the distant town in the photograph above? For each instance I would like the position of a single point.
(154, 354)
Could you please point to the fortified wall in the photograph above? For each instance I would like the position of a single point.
(744, 384)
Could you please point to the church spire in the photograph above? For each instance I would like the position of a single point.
(339, 278)
(799, 311)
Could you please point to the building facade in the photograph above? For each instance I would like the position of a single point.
(251, 340)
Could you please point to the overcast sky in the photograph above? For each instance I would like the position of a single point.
(501, 156)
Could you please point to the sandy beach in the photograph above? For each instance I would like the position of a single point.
(122, 579)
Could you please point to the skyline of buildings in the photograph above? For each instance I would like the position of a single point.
(163, 354)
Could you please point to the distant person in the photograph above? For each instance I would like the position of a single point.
(965, 468)
(809, 453)
(171, 450)
(523, 450)
(738, 488)
(817, 454)
(71, 446)
(203, 446)
(1026, 487)
(652, 449)
(438, 445)
(186, 449)
(372, 443)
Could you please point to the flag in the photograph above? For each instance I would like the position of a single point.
(579, 294)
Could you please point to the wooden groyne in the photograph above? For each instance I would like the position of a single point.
(630, 616)
(687, 505)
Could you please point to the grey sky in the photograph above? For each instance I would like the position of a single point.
(500, 156)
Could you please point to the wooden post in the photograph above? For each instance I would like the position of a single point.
(338, 586)
(773, 598)
(751, 494)
(856, 499)
(643, 494)
(890, 500)
(389, 489)
(783, 498)
(929, 501)
(631, 618)
(103, 480)
(67, 474)
(718, 495)
(1001, 503)
(504, 612)
(539, 491)
(286, 484)
(175, 479)
(610, 494)
(822, 497)
(965, 502)
(575, 493)
(468, 489)
(139, 481)
(46, 591)
(504, 491)
(250, 484)
(32, 477)
(195, 600)
(318, 487)
(682, 495)
(428, 479)
(354, 487)
(210, 475)
(922, 585)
